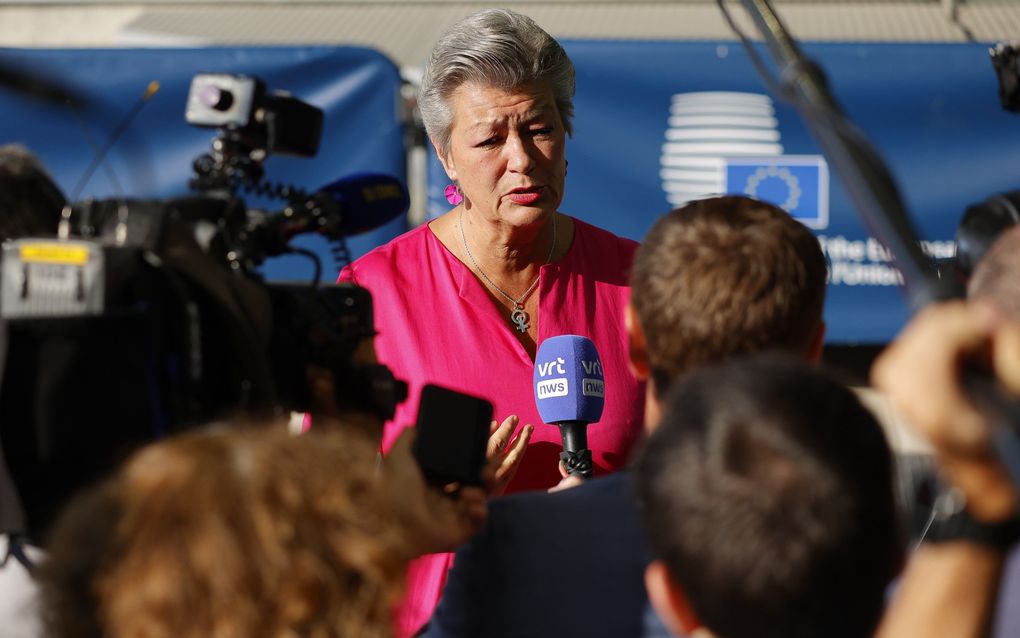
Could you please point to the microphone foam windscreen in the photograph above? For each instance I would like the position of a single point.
(368, 200)
(569, 383)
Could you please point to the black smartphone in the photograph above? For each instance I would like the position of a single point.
(453, 430)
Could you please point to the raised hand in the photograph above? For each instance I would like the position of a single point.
(505, 452)
(921, 374)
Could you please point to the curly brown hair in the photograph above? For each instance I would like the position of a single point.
(724, 276)
(229, 533)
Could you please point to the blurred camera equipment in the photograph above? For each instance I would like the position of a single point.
(145, 317)
(983, 222)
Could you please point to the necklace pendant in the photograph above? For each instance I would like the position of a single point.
(520, 318)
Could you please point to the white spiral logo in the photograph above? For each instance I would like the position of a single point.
(707, 127)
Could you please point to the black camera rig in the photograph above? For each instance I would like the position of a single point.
(145, 317)
(983, 222)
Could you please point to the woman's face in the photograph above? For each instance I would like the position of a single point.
(507, 152)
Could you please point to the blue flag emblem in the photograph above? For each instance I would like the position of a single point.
(799, 184)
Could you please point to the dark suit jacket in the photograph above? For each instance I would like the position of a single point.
(565, 564)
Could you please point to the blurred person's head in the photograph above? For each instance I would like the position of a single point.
(230, 533)
(30, 203)
(996, 277)
(30, 206)
(767, 493)
(720, 277)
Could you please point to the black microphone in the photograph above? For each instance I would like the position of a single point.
(120, 233)
(367, 201)
(349, 206)
(570, 392)
(39, 87)
(122, 126)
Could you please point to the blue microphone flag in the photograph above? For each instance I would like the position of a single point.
(368, 200)
(569, 382)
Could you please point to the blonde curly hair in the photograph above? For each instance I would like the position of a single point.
(230, 534)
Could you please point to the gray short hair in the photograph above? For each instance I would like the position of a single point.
(493, 47)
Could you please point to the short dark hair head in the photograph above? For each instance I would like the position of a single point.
(30, 203)
(725, 276)
(767, 491)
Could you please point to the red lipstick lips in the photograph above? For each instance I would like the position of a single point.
(526, 196)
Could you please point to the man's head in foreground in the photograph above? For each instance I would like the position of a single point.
(720, 277)
(766, 492)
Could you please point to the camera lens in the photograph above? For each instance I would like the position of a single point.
(215, 98)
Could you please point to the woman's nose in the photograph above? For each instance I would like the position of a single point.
(519, 154)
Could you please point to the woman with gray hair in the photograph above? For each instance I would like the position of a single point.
(464, 300)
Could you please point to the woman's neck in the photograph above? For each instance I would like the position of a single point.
(508, 252)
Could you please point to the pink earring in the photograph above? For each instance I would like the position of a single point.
(453, 194)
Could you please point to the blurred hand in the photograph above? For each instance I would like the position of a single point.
(567, 482)
(322, 388)
(505, 452)
(920, 373)
(432, 520)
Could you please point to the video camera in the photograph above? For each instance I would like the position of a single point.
(983, 222)
(146, 317)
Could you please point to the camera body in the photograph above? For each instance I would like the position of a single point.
(203, 334)
(273, 123)
(1006, 62)
(983, 222)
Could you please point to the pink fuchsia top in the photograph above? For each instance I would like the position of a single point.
(437, 324)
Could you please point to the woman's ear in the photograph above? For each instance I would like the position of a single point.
(638, 347)
(444, 159)
(670, 601)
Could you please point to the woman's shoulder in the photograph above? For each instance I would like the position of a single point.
(402, 254)
(605, 246)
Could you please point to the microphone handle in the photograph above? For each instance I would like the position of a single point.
(576, 455)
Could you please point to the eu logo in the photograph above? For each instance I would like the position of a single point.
(799, 184)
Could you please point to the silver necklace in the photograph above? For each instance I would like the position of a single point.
(518, 315)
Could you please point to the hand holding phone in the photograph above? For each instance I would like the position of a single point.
(453, 429)
(441, 519)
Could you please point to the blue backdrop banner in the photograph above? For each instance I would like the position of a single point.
(660, 123)
(358, 90)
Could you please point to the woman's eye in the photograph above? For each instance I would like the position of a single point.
(489, 142)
